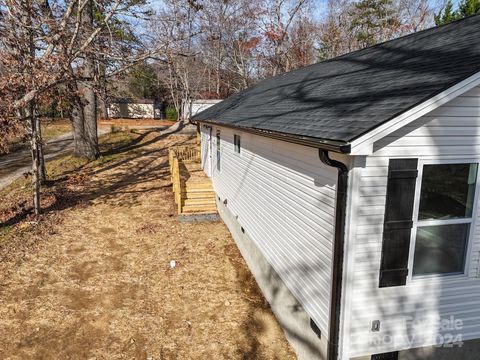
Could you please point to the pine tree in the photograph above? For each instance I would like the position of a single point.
(465, 8)
(374, 21)
(468, 7)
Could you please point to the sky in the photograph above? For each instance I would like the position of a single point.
(320, 5)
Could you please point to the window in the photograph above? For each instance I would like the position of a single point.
(236, 142)
(444, 220)
(218, 150)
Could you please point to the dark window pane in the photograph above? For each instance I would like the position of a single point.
(440, 249)
(218, 150)
(236, 141)
(447, 191)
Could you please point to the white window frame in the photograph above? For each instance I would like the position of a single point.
(471, 221)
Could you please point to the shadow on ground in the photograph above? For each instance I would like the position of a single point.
(79, 186)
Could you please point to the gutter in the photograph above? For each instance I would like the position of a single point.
(330, 145)
(338, 253)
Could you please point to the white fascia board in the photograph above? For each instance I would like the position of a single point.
(364, 144)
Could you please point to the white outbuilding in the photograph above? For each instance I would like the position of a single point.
(195, 106)
(134, 109)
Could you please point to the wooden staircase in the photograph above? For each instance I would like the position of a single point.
(198, 197)
(192, 188)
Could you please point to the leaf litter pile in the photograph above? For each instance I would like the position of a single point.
(110, 273)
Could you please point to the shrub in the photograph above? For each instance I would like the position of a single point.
(115, 129)
(171, 113)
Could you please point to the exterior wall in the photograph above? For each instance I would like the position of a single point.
(284, 198)
(124, 110)
(289, 312)
(206, 148)
(199, 105)
(194, 107)
(469, 351)
(449, 132)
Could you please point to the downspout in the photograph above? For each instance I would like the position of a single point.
(338, 252)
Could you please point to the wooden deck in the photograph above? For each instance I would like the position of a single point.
(193, 189)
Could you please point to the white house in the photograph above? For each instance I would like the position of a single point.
(351, 188)
(134, 109)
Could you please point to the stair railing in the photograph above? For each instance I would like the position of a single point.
(177, 182)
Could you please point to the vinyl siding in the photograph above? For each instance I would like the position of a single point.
(449, 132)
(284, 198)
(205, 149)
(203, 145)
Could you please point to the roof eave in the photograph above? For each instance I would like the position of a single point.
(330, 145)
(364, 145)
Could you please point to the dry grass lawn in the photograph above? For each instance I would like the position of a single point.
(134, 122)
(93, 279)
(54, 128)
(50, 130)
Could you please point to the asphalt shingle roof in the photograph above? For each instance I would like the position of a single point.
(345, 97)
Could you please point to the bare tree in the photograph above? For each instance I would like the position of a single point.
(350, 26)
(46, 45)
(415, 15)
(21, 74)
(177, 28)
(280, 16)
(304, 42)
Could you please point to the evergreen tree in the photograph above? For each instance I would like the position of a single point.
(374, 21)
(468, 7)
(143, 82)
(465, 8)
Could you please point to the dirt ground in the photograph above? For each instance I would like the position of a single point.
(93, 279)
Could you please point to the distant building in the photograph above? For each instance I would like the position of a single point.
(194, 107)
(135, 109)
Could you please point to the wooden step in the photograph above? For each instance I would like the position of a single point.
(197, 190)
(198, 186)
(198, 195)
(199, 209)
(199, 198)
(199, 202)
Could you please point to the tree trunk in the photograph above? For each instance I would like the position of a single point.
(90, 117)
(84, 109)
(103, 105)
(218, 79)
(90, 105)
(81, 146)
(178, 109)
(41, 158)
(186, 108)
(36, 151)
(33, 133)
